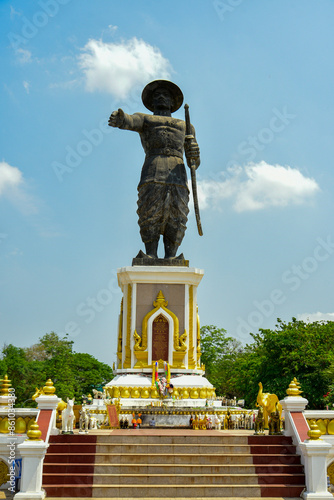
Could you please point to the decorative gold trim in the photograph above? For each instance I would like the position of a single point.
(120, 334)
(191, 357)
(330, 472)
(141, 355)
(199, 352)
(4, 473)
(127, 361)
(152, 392)
(178, 357)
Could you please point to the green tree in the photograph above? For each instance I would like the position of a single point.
(58, 363)
(23, 374)
(73, 374)
(293, 349)
(219, 353)
(89, 374)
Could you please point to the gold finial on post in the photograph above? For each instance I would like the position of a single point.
(314, 431)
(49, 388)
(293, 389)
(34, 434)
(6, 392)
(5, 386)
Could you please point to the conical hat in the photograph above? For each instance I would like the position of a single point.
(147, 94)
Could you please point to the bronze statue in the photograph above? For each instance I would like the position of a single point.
(259, 422)
(275, 422)
(163, 194)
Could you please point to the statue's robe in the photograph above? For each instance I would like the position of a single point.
(163, 193)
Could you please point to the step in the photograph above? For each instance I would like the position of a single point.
(172, 479)
(204, 449)
(59, 468)
(173, 498)
(204, 438)
(140, 464)
(175, 491)
(230, 458)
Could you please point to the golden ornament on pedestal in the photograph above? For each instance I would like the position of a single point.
(293, 389)
(34, 434)
(314, 432)
(49, 388)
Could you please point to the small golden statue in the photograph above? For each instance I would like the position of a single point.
(259, 423)
(228, 422)
(275, 423)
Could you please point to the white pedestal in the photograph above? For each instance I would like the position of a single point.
(292, 404)
(49, 403)
(141, 309)
(33, 453)
(315, 453)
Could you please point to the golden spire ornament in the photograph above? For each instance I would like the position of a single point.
(293, 389)
(6, 393)
(5, 386)
(34, 434)
(314, 431)
(49, 388)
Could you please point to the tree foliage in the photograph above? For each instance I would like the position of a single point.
(72, 373)
(219, 353)
(275, 357)
(293, 349)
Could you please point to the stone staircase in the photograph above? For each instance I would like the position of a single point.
(179, 464)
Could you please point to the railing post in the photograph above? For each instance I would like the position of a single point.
(315, 453)
(33, 453)
(313, 450)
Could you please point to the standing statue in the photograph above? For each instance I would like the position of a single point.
(83, 421)
(68, 417)
(259, 422)
(275, 422)
(268, 402)
(163, 193)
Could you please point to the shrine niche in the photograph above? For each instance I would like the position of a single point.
(160, 338)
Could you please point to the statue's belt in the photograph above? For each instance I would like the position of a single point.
(164, 152)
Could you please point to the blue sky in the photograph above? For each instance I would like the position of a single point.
(258, 77)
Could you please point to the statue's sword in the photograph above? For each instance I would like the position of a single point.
(191, 165)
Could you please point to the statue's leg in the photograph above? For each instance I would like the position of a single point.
(170, 248)
(151, 248)
(151, 215)
(176, 222)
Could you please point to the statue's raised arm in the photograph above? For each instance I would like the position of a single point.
(163, 193)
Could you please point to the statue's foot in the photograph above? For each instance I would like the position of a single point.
(142, 255)
(179, 257)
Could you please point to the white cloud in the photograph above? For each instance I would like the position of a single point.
(318, 316)
(26, 86)
(10, 177)
(117, 67)
(23, 55)
(14, 188)
(257, 186)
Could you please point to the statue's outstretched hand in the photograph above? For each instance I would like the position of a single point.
(191, 150)
(116, 118)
